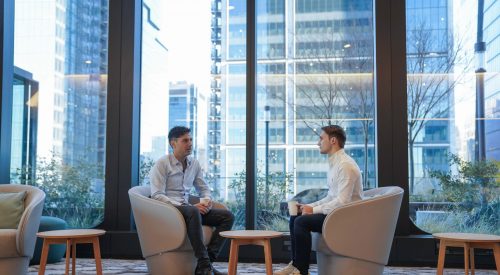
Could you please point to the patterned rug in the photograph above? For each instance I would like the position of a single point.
(135, 267)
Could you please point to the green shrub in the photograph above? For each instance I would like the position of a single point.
(68, 190)
(474, 188)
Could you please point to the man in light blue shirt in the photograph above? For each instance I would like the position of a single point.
(172, 178)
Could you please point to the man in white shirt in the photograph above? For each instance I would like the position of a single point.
(344, 186)
(172, 178)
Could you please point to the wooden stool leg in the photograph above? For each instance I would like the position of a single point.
(442, 252)
(496, 252)
(73, 257)
(471, 260)
(68, 249)
(43, 258)
(268, 257)
(233, 257)
(97, 255)
(466, 257)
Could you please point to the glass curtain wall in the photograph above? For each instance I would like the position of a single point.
(315, 68)
(63, 45)
(193, 75)
(453, 64)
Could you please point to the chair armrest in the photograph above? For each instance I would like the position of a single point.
(160, 225)
(29, 223)
(364, 229)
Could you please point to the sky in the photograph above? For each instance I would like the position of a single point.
(187, 35)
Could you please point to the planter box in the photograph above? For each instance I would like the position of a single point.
(425, 217)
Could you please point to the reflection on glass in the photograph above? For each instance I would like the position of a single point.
(63, 46)
(315, 67)
(453, 116)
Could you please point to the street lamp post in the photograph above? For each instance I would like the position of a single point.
(267, 117)
(479, 50)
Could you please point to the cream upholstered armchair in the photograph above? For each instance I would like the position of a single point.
(357, 237)
(17, 245)
(162, 234)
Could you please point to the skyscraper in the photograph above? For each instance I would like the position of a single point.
(154, 80)
(491, 85)
(214, 107)
(64, 44)
(183, 108)
(24, 124)
(85, 81)
(315, 67)
(306, 50)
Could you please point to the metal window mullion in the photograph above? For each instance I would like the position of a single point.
(251, 129)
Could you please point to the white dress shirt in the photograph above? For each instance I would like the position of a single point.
(169, 183)
(344, 183)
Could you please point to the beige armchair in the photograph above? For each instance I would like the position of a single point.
(162, 234)
(357, 237)
(17, 245)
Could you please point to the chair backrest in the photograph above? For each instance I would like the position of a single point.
(143, 190)
(30, 220)
(365, 229)
(160, 226)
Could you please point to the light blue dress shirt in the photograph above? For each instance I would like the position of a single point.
(172, 185)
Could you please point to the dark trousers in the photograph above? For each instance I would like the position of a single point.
(300, 235)
(221, 219)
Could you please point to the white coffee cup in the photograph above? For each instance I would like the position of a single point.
(205, 201)
(293, 208)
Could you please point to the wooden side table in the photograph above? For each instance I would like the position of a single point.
(468, 241)
(71, 237)
(255, 237)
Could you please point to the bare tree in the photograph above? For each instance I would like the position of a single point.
(431, 81)
(334, 82)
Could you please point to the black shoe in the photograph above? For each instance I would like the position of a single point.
(204, 267)
(217, 272)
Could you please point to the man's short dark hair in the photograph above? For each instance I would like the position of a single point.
(337, 132)
(177, 132)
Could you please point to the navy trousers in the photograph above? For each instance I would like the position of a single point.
(300, 235)
(221, 219)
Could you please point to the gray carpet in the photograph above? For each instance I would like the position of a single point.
(135, 267)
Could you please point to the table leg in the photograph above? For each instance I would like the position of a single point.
(466, 257)
(233, 257)
(472, 260)
(496, 253)
(68, 247)
(268, 257)
(442, 252)
(43, 258)
(73, 257)
(97, 255)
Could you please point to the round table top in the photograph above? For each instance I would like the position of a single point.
(469, 237)
(71, 233)
(250, 234)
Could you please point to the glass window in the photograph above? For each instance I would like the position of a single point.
(453, 117)
(63, 46)
(327, 80)
(193, 74)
